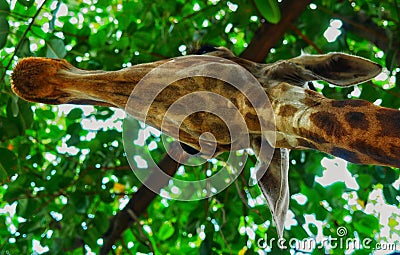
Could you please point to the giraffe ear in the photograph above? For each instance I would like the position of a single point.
(274, 185)
(337, 68)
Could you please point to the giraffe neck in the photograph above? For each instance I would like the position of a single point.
(355, 130)
(58, 82)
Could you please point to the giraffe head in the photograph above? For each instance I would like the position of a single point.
(32, 80)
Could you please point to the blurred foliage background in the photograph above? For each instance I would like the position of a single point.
(62, 169)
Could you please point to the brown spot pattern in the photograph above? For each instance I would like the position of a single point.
(220, 131)
(209, 84)
(329, 123)
(312, 93)
(395, 150)
(312, 136)
(252, 122)
(357, 120)
(352, 103)
(375, 153)
(191, 81)
(235, 102)
(312, 98)
(287, 110)
(389, 122)
(304, 143)
(196, 118)
(283, 87)
(310, 101)
(248, 103)
(346, 154)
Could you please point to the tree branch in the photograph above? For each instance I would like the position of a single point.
(363, 26)
(139, 202)
(306, 39)
(268, 35)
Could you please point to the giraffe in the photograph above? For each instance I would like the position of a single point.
(355, 130)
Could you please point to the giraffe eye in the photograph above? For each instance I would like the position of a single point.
(206, 49)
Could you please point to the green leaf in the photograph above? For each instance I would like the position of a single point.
(391, 55)
(363, 251)
(24, 49)
(90, 237)
(369, 93)
(26, 207)
(364, 180)
(313, 228)
(74, 129)
(101, 221)
(27, 3)
(131, 8)
(269, 9)
(143, 249)
(80, 201)
(14, 106)
(309, 179)
(105, 196)
(166, 231)
(102, 113)
(55, 48)
(103, 3)
(3, 174)
(8, 160)
(39, 32)
(299, 232)
(75, 114)
(385, 175)
(363, 194)
(32, 226)
(320, 212)
(108, 136)
(54, 133)
(24, 119)
(4, 29)
(54, 183)
(4, 8)
(364, 223)
(148, 20)
(46, 114)
(259, 217)
(206, 246)
(8, 128)
(98, 39)
(390, 194)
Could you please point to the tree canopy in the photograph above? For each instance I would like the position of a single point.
(63, 170)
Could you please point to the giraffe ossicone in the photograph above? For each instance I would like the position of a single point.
(355, 130)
